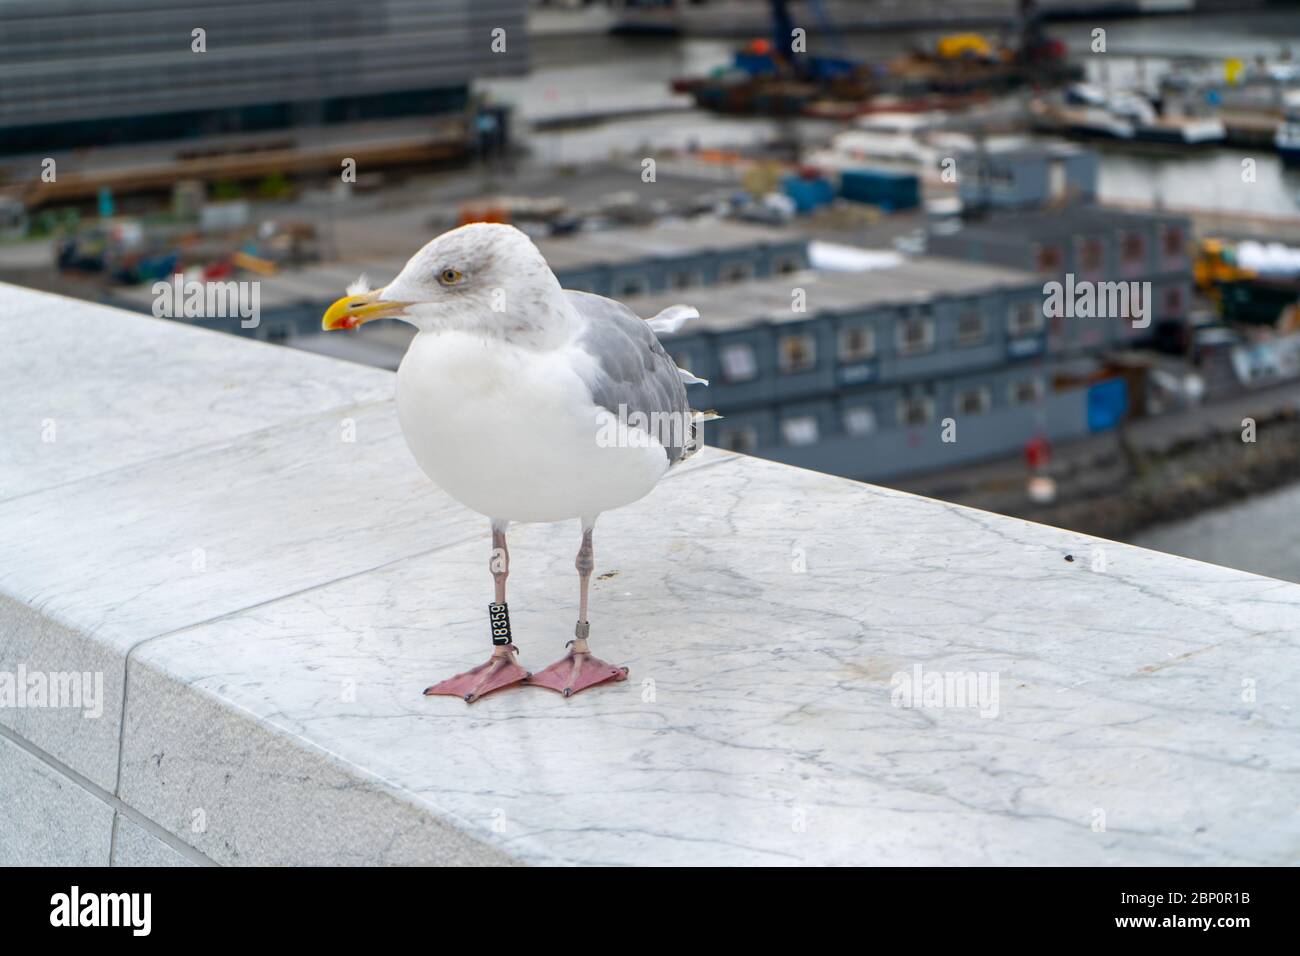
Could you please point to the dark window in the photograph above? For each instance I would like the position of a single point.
(915, 335)
(972, 401)
(1091, 255)
(797, 353)
(1026, 318)
(632, 285)
(737, 271)
(1050, 259)
(1133, 248)
(857, 342)
(742, 438)
(970, 328)
(1174, 302)
(1026, 390)
(1175, 242)
(915, 411)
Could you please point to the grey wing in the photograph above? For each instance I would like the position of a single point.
(633, 370)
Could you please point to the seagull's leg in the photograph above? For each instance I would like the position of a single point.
(580, 669)
(501, 670)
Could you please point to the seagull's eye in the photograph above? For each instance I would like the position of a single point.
(450, 276)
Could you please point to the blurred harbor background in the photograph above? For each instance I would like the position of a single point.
(917, 170)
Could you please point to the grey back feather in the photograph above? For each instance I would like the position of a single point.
(633, 369)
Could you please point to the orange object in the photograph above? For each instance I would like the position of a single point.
(470, 214)
(254, 263)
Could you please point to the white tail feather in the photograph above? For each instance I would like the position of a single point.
(673, 318)
(694, 442)
(691, 379)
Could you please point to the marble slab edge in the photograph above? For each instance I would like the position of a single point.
(47, 819)
(49, 633)
(37, 646)
(244, 791)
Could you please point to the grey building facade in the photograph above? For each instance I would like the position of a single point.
(93, 72)
(861, 380)
(1026, 177)
(1092, 244)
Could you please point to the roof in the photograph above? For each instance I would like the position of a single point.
(324, 281)
(667, 240)
(913, 281)
(1020, 148)
(1051, 223)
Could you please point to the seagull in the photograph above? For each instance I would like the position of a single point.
(526, 402)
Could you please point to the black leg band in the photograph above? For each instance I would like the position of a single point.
(499, 615)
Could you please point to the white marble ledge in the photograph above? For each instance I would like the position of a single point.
(764, 612)
(144, 467)
(232, 473)
(285, 594)
(91, 569)
(87, 389)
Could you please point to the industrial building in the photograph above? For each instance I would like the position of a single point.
(672, 257)
(1033, 208)
(1091, 243)
(1026, 176)
(681, 257)
(76, 74)
(855, 373)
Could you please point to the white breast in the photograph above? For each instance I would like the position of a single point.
(512, 433)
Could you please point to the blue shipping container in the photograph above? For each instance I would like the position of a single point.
(885, 188)
(808, 194)
(1107, 403)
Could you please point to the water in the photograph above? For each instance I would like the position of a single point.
(1209, 180)
(1258, 535)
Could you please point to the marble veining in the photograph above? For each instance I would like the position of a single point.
(238, 538)
(764, 612)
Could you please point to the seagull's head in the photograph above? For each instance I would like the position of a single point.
(481, 276)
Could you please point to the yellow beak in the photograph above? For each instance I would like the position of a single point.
(353, 311)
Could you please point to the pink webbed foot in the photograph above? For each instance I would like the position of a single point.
(577, 670)
(499, 671)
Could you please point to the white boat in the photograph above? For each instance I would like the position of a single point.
(1091, 110)
(892, 136)
(1185, 130)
